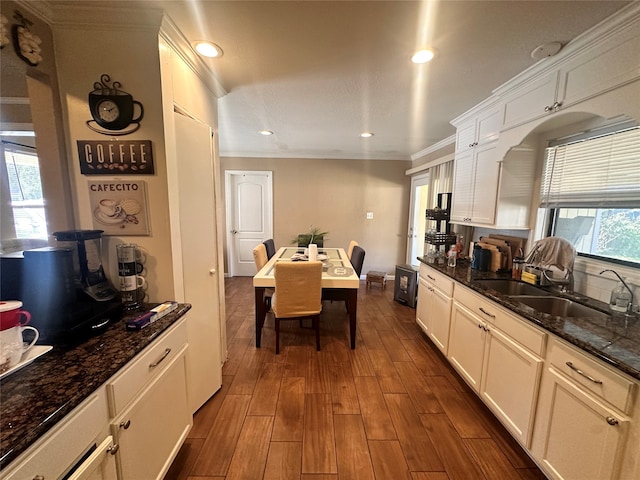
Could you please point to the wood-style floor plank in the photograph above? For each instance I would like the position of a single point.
(392, 409)
(416, 445)
(375, 416)
(265, 395)
(344, 396)
(493, 463)
(250, 455)
(289, 411)
(217, 450)
(458, 461)
(284, 461)
(388, 460)
(354, 460)
(318, 443)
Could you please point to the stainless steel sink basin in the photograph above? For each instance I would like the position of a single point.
(558, 306)
(512, 287)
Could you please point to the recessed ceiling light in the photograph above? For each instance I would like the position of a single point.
(423, 56)
(366, 134)
(265, 132)
(208, 49)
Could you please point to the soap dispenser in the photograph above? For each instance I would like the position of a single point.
(620, 298)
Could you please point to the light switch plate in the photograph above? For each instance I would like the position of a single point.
(369, 215)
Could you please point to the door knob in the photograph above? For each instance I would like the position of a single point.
(234, 231)
(212, 271)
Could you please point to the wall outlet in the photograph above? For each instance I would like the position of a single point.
(369, 215)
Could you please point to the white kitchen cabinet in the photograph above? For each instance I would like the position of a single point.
(151, 430)
(502, 366)
(100, 465)
(148, 401)
(481, 129)
(64, 447)
(595, 63)
(433, 312)
(475, 186)
(581, 429)
(534, 99)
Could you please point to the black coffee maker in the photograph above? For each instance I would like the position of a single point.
(65, 288)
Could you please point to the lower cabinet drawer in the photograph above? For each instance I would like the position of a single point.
(145, 367)
(64, 445)
(617, 390)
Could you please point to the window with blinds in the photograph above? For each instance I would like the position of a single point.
(603, 171)
(592, 191)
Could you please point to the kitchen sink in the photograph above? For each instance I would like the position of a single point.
(558, 306)
(512, 287)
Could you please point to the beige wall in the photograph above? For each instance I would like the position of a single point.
(81, 62)
(335, 195)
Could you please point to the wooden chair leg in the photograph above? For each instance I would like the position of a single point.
(277, 322)
(316, 322)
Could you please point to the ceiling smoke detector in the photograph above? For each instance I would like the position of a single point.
(546, 50)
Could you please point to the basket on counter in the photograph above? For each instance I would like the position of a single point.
(437, 214)
(440, 238)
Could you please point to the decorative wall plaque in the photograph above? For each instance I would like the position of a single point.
(115, 157)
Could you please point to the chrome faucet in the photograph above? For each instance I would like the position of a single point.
(630, 305)
(566, 282)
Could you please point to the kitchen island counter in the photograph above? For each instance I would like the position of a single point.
(37, 397)
(614, 340)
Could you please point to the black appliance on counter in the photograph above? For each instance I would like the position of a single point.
(45, 281)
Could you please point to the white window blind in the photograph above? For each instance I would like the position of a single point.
(599, 172)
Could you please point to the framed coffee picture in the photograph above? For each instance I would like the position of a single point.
(119, 207)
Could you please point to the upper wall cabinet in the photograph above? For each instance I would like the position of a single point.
(599, 61)
(477, 131)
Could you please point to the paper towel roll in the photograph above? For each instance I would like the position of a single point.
(313, 252)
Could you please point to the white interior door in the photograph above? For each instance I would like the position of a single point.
(417, 223)
(199, 254)
(249, 200)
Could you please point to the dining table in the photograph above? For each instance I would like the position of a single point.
(337, 273)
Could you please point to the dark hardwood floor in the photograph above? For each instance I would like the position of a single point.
(392, 408)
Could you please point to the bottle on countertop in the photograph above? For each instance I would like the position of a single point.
(620, 298)
(452, 256)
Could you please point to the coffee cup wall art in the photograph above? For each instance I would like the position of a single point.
(119, 207)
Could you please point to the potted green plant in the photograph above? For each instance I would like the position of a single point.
(314, 235)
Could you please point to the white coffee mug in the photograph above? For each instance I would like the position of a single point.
(132, 282)
(13, 346)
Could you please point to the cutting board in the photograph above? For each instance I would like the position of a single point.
(504, 247)
(516, 243)
(498, 259)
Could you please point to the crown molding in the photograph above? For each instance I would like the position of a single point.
(434, 148)
(171, 34)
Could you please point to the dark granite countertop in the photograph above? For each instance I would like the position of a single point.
(614, 339)
(35, 398)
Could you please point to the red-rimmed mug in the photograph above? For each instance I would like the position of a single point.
(12, 315)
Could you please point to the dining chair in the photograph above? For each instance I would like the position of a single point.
(298, 294)
(271, 248)
(260, 259)
(352, 244)
(357, 259)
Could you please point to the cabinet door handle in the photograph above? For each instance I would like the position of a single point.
(125, 425)
(580, 372)
(431, 278)
(612, 421)
(38, 477)
(486, 313)
(113, 449)
(159, 361)
(548, 108)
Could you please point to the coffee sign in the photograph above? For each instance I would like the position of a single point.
(115, 157)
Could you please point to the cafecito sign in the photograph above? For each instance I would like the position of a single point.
(115, 157)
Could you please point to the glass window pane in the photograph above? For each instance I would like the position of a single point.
(605, 232)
